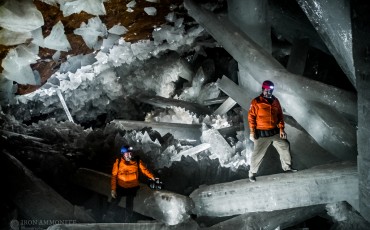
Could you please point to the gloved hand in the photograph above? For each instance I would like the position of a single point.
(155, 183)
(113, 194)
(283, 134)
(252, 137)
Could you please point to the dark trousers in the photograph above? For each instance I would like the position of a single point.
(129, 193)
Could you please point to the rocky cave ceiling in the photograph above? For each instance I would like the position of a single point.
(139, 24)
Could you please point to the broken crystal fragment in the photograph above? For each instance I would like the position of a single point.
(10, 38)
(95, 7)
(91, 31)
(17, 62)
(20, 16)
(152, 11)
(57, 40)
(118, 29)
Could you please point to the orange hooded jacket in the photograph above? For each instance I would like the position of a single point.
(126, 174)
(265, 116)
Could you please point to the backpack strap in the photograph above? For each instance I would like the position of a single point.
(137, 159)
(257, 99)
(119, 162)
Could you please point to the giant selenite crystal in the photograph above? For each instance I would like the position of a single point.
(332, 21)
(318, 185)
(270, 220)
(34, 198)
(165, 206)
(361, 43)
(291, 24)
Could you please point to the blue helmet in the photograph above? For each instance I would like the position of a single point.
(125, 149)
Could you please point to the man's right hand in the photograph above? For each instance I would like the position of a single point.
(283, 135)
(113, 194)
(252, 137)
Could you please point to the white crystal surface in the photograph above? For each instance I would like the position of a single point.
(20, 16)
(95, 7)
(152, 11)
(57, 39)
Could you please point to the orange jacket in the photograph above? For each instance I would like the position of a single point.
(126, 174)
(265, 116)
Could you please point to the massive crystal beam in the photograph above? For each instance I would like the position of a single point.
(35, 199)
(234, 91)
(225, 107)
(291, 24)
(333, 23)
(306, 153)
(252, 16)
(270, 220)
(167, 207)
(318, 185)
(297, 59)
(218, 100)
(179, 131)
(263, 66)
(191, 152)
(163, 102)
(360, 20)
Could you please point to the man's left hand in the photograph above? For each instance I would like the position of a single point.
(283, 134)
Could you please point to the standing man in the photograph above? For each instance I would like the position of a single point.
(125, 178)
(266, 125)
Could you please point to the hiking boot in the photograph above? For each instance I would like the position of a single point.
(291, 170)
(252, 178)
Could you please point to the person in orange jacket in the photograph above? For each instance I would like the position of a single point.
(125, 177)
(266, 123)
